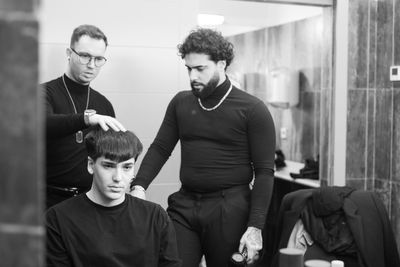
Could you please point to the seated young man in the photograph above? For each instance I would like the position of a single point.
(105, 226)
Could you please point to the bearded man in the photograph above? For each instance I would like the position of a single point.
(227, 138)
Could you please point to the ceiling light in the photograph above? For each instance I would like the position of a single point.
(209, 19)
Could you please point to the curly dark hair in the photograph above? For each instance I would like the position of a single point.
(209, 42)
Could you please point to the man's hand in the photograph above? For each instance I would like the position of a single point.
(106, 122)
(139, 192)
(252, 240)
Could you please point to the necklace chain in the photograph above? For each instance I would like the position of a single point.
(219, 103)
(70, 97)
(78, 134)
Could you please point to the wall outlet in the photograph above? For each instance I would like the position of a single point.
(394, 73)
(283, 133)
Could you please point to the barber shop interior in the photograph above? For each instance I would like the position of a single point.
(296, 164)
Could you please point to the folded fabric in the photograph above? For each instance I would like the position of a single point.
(299, 238)
(328, 200)
(330, 232)
(310, 170)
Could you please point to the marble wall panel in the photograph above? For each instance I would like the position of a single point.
(317, 122)
(382, 188)
(383, 133)
(255, 84)
(298, 123)
(20, 123)
(237, 69)
(382, 101)
(327, 49)
(255, 51)
(306, 79)
(395, 211)
(396, 29)
(298, 46)
(356, 183)
(356, 134)
(358, 44)
(384, 43)
(281, 46)
(22, 138)
(370, 165)
(308, 52)
(307, 136)
(396, 37)
(396, 137)
(18, 5)
(326, 97)
(370, 184)
(324, 144)
(372, 37)
(21, 249)
(249, 56)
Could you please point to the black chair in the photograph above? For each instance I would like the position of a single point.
(356, 218)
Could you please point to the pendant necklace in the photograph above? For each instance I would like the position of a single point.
(219, 103)
(78, 134)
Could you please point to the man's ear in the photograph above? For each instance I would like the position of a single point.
(68, 52)
(221, 64)
(90, 165)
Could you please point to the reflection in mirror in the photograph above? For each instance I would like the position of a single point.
(143, 71)
(268, 37)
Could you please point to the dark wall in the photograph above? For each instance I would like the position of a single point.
(22, 142)
(373, 123)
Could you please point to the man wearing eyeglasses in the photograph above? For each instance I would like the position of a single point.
(72, 108)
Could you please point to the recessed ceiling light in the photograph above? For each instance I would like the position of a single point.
(209, 19)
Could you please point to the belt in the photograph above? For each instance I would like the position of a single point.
(214, 194)
(65, 191)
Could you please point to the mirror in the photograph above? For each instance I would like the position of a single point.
(268, 37)
(143, 71)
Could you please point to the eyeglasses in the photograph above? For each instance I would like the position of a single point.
(85, 58)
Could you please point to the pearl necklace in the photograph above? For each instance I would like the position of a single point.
(78, 134)
(219, 103)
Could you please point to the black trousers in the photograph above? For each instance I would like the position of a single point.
(210, 224)
(56, 194)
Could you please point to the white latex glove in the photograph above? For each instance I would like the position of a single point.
(252, 241)
(106, 122)
(139, 192)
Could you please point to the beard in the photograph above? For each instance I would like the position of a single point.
(206, 89)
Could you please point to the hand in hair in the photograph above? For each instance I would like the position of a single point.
(106, 122)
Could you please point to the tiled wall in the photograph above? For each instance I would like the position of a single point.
(373, 147)
(143, 71)
(298, 46)
(22, 138)
(373, 115)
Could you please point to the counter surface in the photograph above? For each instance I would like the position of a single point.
(294, 167)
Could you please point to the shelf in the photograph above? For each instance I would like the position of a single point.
(294, 167)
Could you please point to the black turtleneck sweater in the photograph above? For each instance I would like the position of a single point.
(220, 148)
(66, 160)
(134, 233)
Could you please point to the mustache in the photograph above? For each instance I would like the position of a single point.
(196, 83)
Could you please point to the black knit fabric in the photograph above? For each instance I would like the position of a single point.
(133, 233)
(220, 148)
(66, 160)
